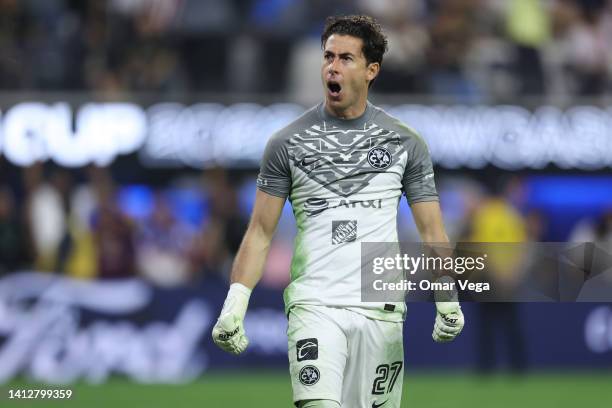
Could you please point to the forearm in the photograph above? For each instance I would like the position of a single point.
(434, 235)
(433, 232)
(228, 333)
(251, 257)
(449, 318)
(428, 219)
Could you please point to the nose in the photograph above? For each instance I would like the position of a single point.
(333, 67)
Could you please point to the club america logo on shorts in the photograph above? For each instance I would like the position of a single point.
(344, 231)
(309, 375)
(379, 158)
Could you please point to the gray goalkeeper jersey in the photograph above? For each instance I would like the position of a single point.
(344, 179)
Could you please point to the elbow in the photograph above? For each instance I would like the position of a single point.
(259, 231)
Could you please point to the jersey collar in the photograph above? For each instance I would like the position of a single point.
(355, 123)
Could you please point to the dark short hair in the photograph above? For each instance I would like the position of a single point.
(359, 26)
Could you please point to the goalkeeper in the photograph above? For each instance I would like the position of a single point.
(344, 165)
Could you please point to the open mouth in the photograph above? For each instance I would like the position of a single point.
(334, 88)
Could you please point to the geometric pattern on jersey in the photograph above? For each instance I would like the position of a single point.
(337, 159)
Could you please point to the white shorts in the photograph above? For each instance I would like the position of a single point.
(341, 355)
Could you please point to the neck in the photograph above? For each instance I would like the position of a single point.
(350, 112)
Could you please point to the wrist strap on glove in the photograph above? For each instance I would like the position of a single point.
(237, 300)
(447, 307)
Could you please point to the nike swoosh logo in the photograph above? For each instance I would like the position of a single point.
(375, 405)
(305, 163)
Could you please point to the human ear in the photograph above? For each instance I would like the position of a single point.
(372, 71)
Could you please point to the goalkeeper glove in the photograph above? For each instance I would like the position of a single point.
(449, 321)
(228, 332)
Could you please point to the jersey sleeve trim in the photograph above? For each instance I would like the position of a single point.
(424, 199)
(272, 191)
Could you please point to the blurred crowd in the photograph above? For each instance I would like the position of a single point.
(80, 225)
(85, 224)
(473, 50)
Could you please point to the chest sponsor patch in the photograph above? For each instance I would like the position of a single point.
(344, 231)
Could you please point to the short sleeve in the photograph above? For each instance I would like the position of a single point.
(418, 180)
(274, 174)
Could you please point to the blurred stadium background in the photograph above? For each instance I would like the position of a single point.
(130, 135)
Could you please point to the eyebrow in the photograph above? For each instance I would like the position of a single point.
(342, 54)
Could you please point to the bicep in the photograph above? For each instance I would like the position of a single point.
(266, 212)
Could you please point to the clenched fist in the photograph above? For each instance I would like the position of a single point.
(228, 333)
